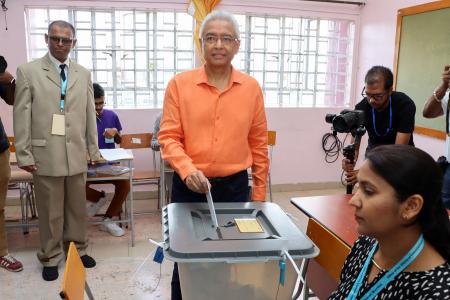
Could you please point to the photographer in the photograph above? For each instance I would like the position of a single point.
(7, 86)
(435, 106)
(389, 115)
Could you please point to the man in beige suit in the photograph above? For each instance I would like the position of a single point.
(55, 130)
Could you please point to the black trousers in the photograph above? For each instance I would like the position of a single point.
(233, 188)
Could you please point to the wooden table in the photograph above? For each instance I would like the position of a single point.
(333, 212)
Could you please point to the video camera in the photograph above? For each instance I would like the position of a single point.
(347, 121)
(3, 65)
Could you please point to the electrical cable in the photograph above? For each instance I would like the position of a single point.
(332, 147)
(278, 289)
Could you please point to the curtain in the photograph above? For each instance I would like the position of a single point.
(199, 9)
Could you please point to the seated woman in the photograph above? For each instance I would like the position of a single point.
(404, 248)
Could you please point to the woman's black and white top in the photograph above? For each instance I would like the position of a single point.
(433, 284)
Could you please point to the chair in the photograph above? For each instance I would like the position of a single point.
(333, 250)
(271, 140)
(74, 282)
(24, 182)
(142, 141)
(166, 174)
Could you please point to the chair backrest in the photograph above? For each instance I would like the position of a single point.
(272, 137)
(11, 140)
(333, 250)
(74, 280)
(136, 140)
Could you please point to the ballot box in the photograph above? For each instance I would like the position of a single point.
(241, 259)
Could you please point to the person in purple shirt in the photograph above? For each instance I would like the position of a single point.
(108, 129)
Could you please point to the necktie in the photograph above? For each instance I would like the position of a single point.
(62, 74)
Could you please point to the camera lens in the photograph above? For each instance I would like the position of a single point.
(329, 118)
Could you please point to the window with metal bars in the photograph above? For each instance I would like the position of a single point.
(298, 61)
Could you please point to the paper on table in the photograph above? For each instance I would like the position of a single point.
(248, 225)
(211, 208)
(116, 154)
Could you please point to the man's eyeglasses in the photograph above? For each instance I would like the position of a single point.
(374, 96)
(99, 103)
(64, 41)
(226, 39)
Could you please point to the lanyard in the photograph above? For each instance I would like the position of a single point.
(390, 120)
(63, 94)
(389, 276)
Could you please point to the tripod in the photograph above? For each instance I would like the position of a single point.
(349, 150)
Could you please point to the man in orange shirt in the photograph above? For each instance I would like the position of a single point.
(214, 125)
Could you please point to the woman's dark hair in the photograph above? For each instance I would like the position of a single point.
(98, 91)
(384, 72)
(412, 171)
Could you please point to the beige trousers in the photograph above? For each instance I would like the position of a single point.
(5, 174)
(62, 216)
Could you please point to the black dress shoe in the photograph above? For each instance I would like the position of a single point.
(88, 261)
(50, 273)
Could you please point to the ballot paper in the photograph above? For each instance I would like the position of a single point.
(211, 208)
(248, 225)
(116, 154)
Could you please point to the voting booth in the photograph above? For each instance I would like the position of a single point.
(239, 259)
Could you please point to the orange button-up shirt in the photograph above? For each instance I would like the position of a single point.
(218, 133)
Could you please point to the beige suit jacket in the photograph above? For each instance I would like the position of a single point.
(37, 98)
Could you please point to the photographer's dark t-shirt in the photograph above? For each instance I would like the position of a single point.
(403, 114)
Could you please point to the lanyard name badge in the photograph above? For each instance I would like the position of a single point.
(389, 276)
(59, 122)
(390, 120)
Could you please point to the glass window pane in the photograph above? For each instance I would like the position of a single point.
(298, 61)
(103, 20)
(83, 20)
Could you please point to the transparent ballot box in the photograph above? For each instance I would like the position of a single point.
(240, 260)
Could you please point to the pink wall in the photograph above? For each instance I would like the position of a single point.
(298, 156)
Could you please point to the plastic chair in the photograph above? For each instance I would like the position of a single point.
(74, 282)
(271, 140)
(333, 251)
(142, 141)
(166, 174)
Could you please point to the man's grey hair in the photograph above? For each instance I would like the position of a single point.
(220, 15)
(63, 24)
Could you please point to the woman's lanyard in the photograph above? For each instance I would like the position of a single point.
(389, 276)
(390, 120)
(63, 94)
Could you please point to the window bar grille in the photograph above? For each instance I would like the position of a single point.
(299, 67)
(114, 50)
(147, 56)
(135, 92)
(281, 61)
(94, 46)
(316, 62)
(155, 61)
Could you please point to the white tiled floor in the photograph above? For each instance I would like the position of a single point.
(122, 271)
